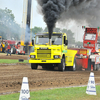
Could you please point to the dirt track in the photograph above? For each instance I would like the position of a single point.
(11, 77)
(3, 56)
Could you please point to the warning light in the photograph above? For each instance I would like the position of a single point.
(98, 27)
(83, 26)
(88, 42)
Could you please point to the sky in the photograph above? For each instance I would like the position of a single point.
(37, 19)
(17, 9)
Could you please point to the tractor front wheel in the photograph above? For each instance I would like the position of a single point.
(61, 66)
(34, 66)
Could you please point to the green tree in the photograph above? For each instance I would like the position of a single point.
(70, 36)
(57, 30)
(36, 30)
(46, 29)
(8, 27)
(9, 13)
(54, 30)
(79, 43)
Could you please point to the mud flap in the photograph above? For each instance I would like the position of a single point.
(78, 64)
(89, 64)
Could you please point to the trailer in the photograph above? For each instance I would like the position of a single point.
(88, 58)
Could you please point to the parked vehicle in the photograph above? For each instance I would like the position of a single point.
(88, 58)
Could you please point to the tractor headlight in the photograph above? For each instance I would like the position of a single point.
(32, 56)
(56, 56)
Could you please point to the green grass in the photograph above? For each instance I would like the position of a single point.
(75, 93)
(8, 61)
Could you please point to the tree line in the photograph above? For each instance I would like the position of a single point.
(70, 34)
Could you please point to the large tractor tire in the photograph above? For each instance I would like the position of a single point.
(13, 50)
(73, 68)
(34, 66)
(96, 67)
(61, 66)
(17, 53)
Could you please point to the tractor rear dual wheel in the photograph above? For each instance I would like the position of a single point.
(13, 50)
(96, 67)
(73, 68)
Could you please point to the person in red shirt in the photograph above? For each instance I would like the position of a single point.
(8, 49)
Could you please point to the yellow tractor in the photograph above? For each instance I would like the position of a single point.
(54, 54)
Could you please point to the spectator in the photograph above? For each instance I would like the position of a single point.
(8, 49)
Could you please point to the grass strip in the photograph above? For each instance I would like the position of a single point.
(10, 61)
(74, 93)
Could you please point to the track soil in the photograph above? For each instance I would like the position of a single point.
(11, 77)
(3, 56)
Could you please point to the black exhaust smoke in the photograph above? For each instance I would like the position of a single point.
(50, 30)
(78, 10)
(52, 10)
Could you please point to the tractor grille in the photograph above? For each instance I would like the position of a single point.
(44, 53)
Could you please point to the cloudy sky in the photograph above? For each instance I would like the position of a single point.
(17, 9)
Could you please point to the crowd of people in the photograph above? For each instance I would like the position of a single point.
(7, 47)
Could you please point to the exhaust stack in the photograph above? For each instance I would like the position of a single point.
(50, 29)
(50, 42)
